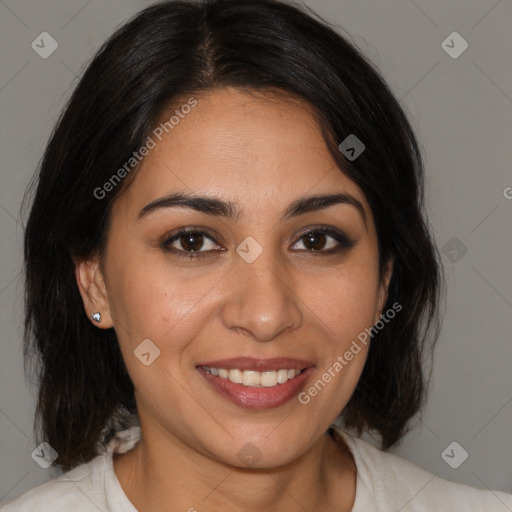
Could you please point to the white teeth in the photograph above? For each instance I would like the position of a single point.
(236, 376)
(254, 379)
(269, 379)
(282, 376)
(251, 378)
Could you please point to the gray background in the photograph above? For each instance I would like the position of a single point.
(461, 110)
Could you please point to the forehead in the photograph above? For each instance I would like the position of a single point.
(264, 149)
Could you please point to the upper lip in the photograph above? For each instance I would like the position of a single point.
(259, 365)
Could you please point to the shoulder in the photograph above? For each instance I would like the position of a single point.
(90, 487)
(72, 491)
(388, 482)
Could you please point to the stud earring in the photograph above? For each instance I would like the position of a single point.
(96, 317)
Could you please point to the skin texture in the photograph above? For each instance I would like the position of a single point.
(260, 152)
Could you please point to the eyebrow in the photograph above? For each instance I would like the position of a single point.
(229, 210)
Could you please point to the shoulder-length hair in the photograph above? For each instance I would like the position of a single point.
(169, 51)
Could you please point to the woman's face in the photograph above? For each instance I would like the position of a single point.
(269, 276)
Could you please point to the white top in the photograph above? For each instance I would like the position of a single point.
(385, 483)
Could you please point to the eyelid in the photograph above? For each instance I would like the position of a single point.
(343, 241)
(172, 237)
(201, 230)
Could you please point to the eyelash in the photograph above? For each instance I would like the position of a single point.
(344, 242)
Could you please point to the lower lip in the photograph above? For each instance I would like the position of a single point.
(257, 398)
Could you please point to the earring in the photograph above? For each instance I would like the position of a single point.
(96, 317)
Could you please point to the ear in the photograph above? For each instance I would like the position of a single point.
(91, 285)
(384, 285)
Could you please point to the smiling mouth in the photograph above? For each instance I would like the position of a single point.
(254, 379)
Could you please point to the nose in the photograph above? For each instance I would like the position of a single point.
(261, 302)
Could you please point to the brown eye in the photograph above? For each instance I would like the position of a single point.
(315, 240)
(191, 243)
(324, 241)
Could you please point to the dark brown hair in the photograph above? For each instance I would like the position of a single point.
(178, 48)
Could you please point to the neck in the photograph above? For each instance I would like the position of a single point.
(162, 473)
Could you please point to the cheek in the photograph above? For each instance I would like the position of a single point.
(345, 299)
(150, 299)
(345, 305)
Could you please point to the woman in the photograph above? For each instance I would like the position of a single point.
(227, 240)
